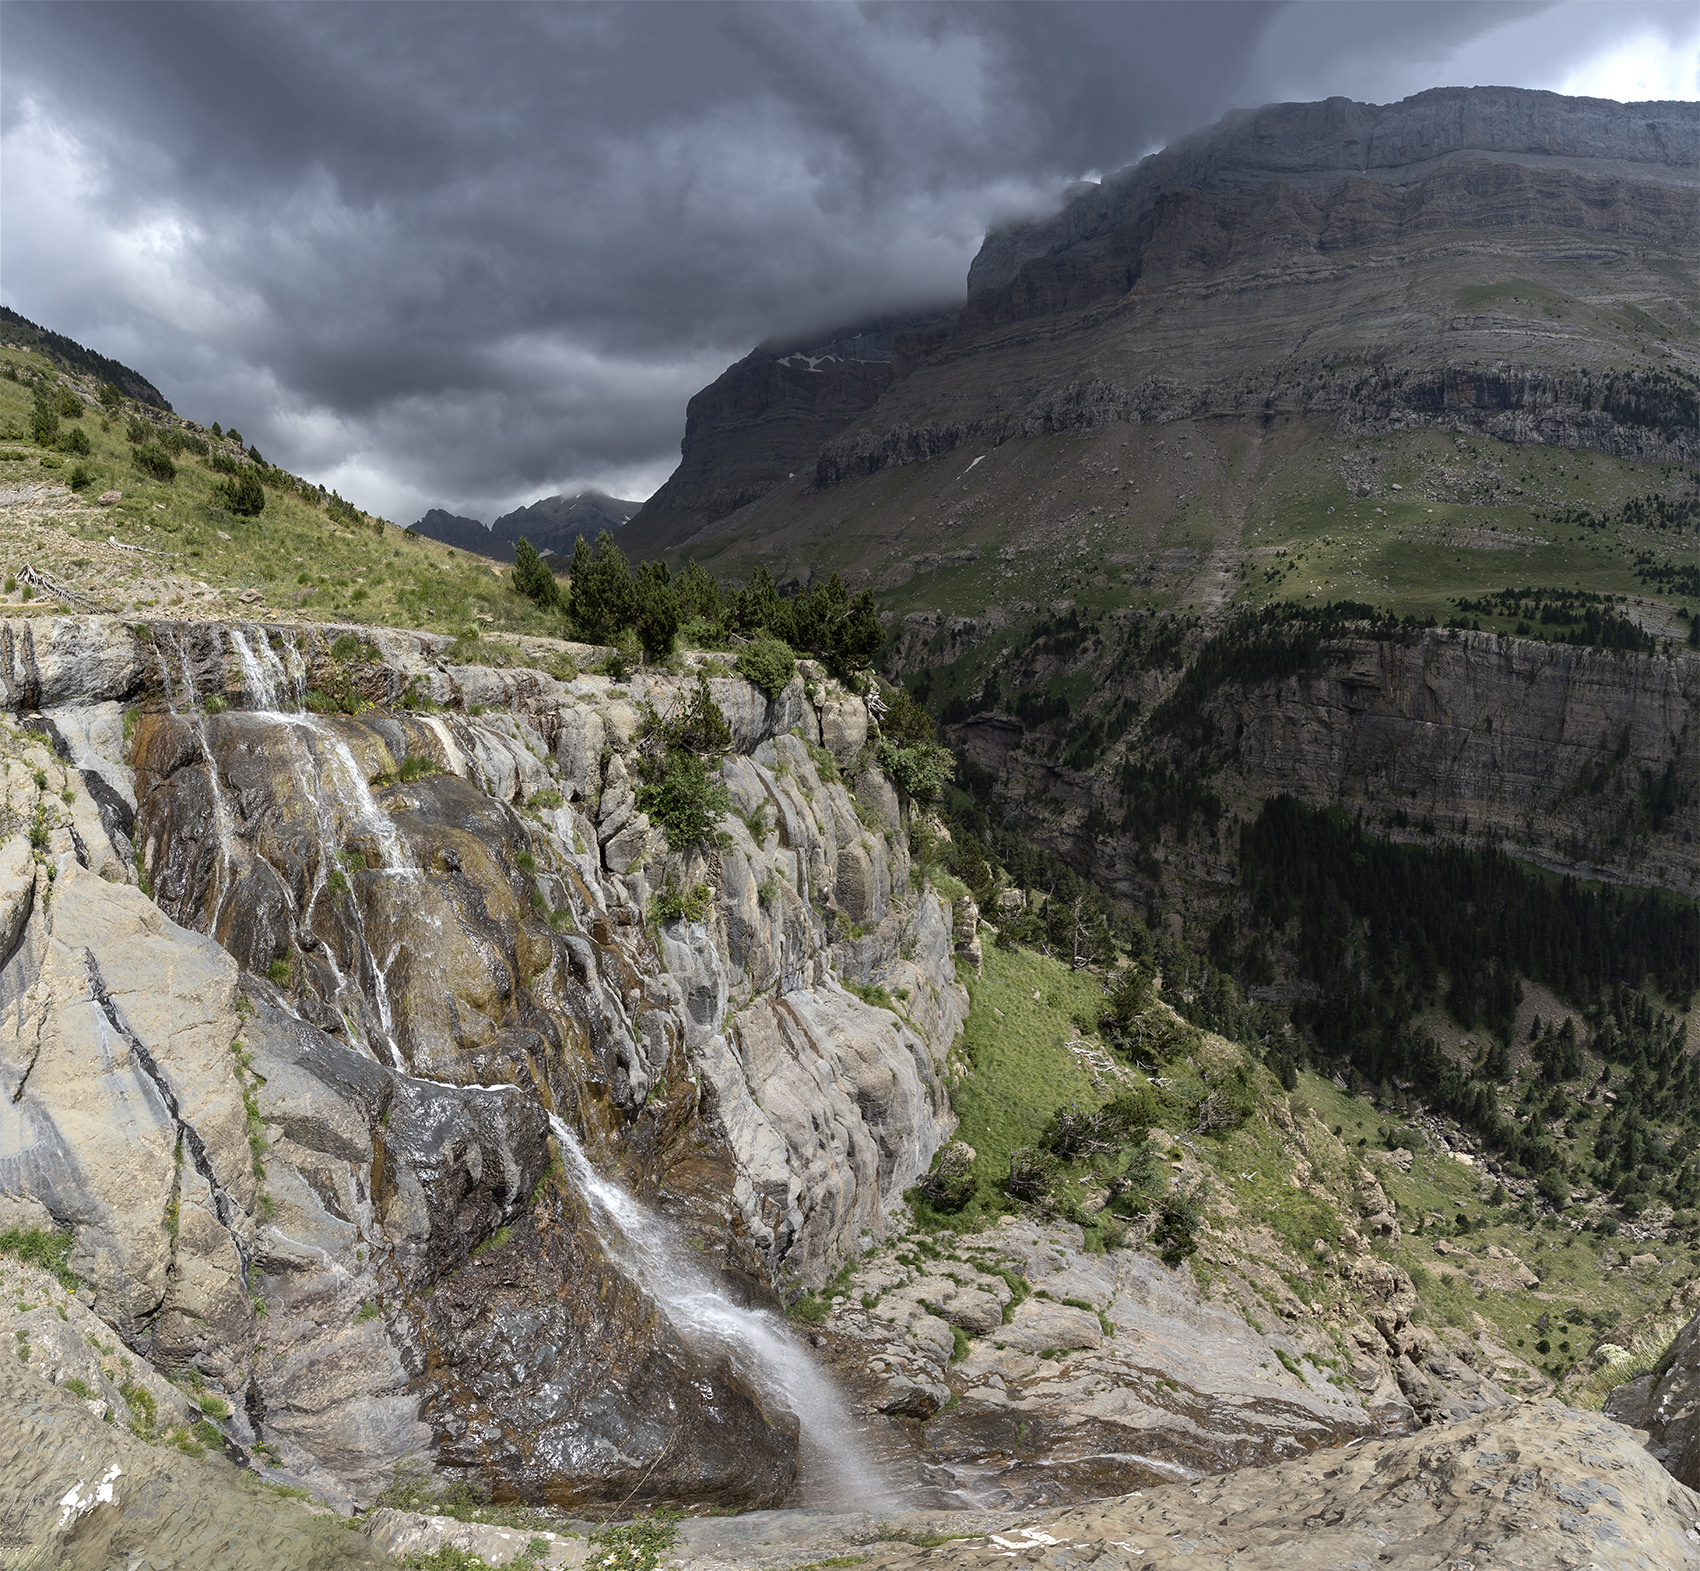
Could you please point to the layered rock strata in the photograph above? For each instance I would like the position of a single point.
(302, 1110)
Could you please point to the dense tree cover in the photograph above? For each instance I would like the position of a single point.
(1382, 931)
(1563, 616)
(1677, 578)
(1640, 512)
(1666, 402)
(609, 601)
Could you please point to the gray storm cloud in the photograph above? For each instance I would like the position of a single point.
(465, 256)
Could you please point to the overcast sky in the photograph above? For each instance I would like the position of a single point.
(467, 256)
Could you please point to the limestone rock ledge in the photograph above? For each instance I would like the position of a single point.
(1527, 1488)
(290, 998)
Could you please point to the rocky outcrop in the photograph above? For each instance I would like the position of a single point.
(302, 1110)
(1527, 1488)
(1320, 146)
(81, 1491)
(762, 420)
(1666, 1403)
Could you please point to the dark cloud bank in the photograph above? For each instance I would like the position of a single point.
(470, 255)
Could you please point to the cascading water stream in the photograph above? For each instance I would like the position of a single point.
(221, 808)
(263, 673)
(348, 785)
(334, 778)
(761, 1347)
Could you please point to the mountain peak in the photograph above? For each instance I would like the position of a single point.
(552, 523)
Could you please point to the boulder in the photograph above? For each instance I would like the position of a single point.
(1666, 1403)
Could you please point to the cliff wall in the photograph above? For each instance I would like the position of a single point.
(307, 1015)
(1317, 147)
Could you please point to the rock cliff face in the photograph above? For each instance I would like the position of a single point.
(307, 1110)
(763, 419)
(1580, 760)
(1320, 146)
(1472, 260)
(1551, 750)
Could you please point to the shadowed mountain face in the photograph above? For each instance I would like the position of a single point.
(552, 524)
(765, 417)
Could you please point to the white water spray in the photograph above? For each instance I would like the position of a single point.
(262, 673)
(762, 1348)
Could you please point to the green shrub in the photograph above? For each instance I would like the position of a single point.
(637, 1545)
(279, 971)
(416, 766)
(242, 494)
(70, 406)
(37, 1247)
(76, 442)
(44, 417)
(350, 646)
(951, 1183)
(110, 397)
(768, 665)
(670, 904)
(1031, 1174)
(79, 476)
(1179, 1218)
(137, 431)
(155, 462)
(678, 761)
(908, 750)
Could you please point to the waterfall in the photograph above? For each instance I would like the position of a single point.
(221, 808)
(763, 1348)
(356, 792)
(264, 674)
(347, 785)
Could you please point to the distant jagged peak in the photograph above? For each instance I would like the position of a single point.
(584, 510)
(1319, 145)
(550, 523)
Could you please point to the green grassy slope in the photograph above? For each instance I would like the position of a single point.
(1274, 1187)
(305, 556)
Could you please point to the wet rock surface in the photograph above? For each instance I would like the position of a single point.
(313, 1158)
(1533, 1487)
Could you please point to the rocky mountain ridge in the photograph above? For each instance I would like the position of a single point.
(744, 432)
(1313, 147)
(552, 523)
